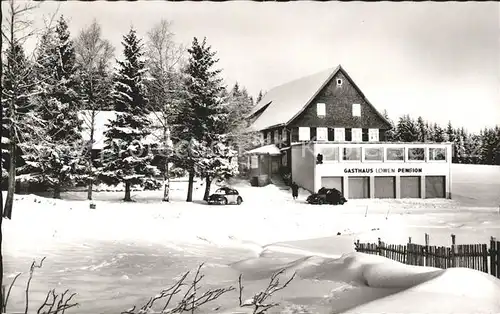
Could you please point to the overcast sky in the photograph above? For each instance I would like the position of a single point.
(438, 60)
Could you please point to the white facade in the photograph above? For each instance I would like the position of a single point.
(392, 170)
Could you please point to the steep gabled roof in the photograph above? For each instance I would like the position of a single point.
(283, 103)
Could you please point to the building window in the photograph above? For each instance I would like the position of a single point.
(437, 154)
(373, 135)
(365, 135)
(322, 134)
(348, 134)
(352, 153)
(261, 137)
(254, 162)
(304, 134)
(395, 154)
(339, 134)
(339, 82)
(356, 110)
(416, 154)
(329, 153)
(331, 134)
(284, 135)
(321, 110)
(284, 159)
(357, 135)
(374, 154)
(276, 139)
(268, 137)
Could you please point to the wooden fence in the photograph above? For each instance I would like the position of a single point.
(475, 256)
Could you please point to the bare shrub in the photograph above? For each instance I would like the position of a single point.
(55, 303)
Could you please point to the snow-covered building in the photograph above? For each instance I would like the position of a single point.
(99, 119)
(323, 131)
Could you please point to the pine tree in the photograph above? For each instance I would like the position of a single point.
(422, 130)
(202, 117)
(390, 135)
(56, 161)
(259, 97)
(439, 133)
(125, 158)
(407, 130)
(450, 132)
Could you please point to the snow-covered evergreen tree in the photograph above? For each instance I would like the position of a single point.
(126, 159)
(422, 130)
(438, 134)
(202, 117)
(390, 135)
(56, 160)
(259, 97)
(407, 130)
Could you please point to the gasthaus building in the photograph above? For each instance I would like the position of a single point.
(324, 132)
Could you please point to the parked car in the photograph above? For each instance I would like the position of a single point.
(327, 196)
(224, 196)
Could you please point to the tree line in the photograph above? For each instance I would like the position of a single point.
(173, 112)
(468, 147)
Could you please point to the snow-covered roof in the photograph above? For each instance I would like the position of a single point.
(103, 117)
(285, 101)
(270, 149)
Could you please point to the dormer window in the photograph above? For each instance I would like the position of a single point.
(339, 82)
(321, 110)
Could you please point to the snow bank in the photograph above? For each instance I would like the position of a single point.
(374, 284)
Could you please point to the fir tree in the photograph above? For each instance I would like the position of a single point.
(56, 160)
(259, 97)
(439, 134)
(125, 158)
(407, 130)
(390, 135)
(422, 130)
(202, 118)
(450, 132)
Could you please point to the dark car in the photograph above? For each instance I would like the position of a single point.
(327, 196)
(224, 196)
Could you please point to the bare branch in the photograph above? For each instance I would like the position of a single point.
(258, 302)
(8, 292)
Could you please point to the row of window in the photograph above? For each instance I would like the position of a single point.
(382, 154)
(321, 110)
(339, 134)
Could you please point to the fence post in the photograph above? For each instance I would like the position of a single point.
(426, 250)
(453, 251)
(3, 309)
(379, 247)
(494, 260)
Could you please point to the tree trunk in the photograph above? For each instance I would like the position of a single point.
(127, 198)
(166, 184)
(190, 186)
(2, 290)
(208, 182)
(57, 191)
(9, 201)
(91, 143)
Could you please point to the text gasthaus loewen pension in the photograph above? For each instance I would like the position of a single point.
(383, 170)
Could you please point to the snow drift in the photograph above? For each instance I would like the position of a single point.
(374, 284)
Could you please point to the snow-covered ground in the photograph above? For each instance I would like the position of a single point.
(120, 253)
